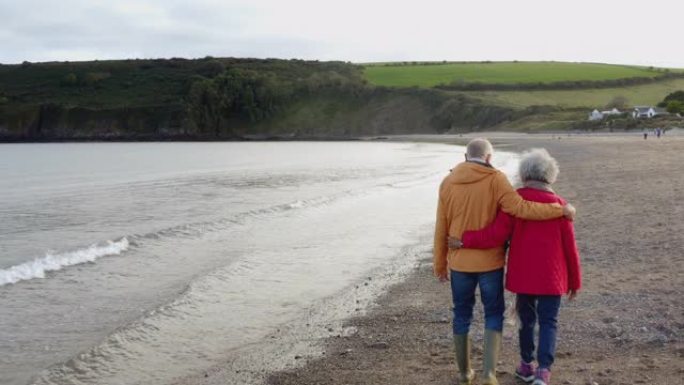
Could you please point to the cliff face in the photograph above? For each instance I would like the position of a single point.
(53, 122)
(326, 117)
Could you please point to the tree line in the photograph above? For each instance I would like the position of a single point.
(559, 85)
(233, 95)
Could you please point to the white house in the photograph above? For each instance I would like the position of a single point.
(614, 111)
(595, 115)
(643, 112)
(599, 115)
(648, 112)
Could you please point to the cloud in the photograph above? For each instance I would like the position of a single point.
(380, 30)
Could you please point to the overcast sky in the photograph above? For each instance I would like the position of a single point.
(630, 32)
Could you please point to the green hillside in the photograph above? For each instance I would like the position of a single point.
(235, 99)
(433, 74)
(641, 94)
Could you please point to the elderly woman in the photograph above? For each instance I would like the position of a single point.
(543, 264)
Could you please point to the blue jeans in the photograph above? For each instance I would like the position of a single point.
(491, 293)
(545, 308)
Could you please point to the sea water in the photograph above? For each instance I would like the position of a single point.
(139, 263)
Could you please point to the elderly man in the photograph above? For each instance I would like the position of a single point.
(469, 198)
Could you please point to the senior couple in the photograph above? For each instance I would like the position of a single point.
(478, 213)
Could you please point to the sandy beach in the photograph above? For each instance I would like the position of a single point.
(626, 325)
(624, 328)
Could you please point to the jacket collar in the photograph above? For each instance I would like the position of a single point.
(539, 185)
(479, 161)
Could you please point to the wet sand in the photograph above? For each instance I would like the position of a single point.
(624, 328)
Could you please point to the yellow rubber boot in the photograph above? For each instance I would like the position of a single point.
(462, 350)
(492, 346)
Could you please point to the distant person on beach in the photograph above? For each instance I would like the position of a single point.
(645, 134)
(543, 264)
(469, 198)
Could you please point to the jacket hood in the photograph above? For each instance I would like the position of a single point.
(470, 172)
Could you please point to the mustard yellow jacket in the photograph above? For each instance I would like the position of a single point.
(469, 198)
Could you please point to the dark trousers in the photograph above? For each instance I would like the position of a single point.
(463, 287)
(543, 308)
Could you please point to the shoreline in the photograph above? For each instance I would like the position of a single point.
(432, 138)
(625, 326)
(304, 338)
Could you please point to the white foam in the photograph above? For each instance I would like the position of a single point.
(296, 205)
(51, 262)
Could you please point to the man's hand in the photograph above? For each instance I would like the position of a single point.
(572, 294)
(455, 243)
(569, 211)
(443, 277)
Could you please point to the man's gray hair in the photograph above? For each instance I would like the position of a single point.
(538, 165)
(479, 148)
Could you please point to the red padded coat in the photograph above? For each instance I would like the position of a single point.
(543, 257)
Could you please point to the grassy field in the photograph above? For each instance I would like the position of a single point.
(497, 73)
(646, 94)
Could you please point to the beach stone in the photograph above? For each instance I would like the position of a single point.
(614, 332)
(659, 340)
(379, 345)
(665, 330)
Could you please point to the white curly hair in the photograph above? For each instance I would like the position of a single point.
(537, 164)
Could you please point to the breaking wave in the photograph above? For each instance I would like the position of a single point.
(51, 262)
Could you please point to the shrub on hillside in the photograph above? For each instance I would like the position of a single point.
(92, 78)
(618, 102)
(675, 107)
(69, 80)
(211, 68)
(674, 96)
